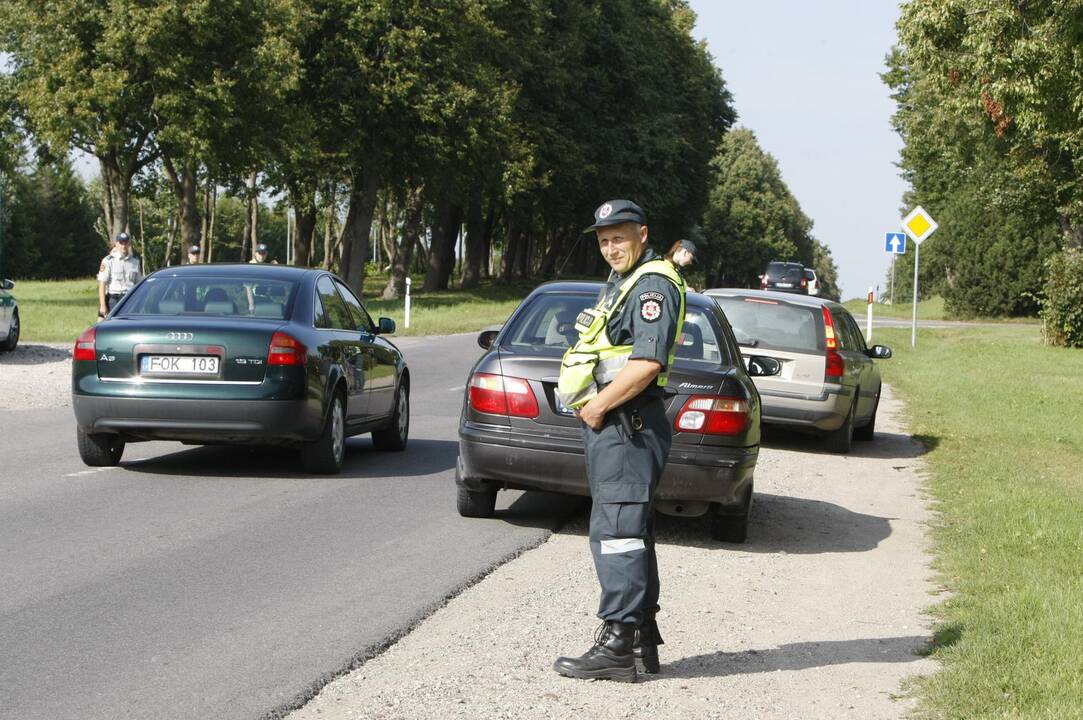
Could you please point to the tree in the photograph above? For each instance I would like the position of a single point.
(1000, 203)
(752, 218)
(80, 84)
(52, 233)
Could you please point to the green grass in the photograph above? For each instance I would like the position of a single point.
(1000, 414)
(57, 311)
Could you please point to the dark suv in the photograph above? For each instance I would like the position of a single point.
(784, 277)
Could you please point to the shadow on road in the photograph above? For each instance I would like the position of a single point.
(779, 524)
(885, 445)
(795, 656)
(35, 355)
(421, 458)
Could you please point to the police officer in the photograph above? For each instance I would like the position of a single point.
(193, 254)
(632, 333)
(260, 255)
(118, 273)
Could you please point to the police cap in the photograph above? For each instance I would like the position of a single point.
(194, 250)
(261, 248)
(615, 212)
(123, 238)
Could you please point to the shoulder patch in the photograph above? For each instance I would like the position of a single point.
(101, 268)
(651, 295)
(650, 309)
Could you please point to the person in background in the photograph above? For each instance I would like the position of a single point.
(683, 254)
(193, 255)
(118, 273)
(261, 255)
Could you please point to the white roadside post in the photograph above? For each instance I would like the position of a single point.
(918, 225)
(868, 321)
(407, 301)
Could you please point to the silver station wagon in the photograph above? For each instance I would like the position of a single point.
(829, 383)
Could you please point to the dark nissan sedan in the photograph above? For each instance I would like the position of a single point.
(250, 354)
(515, 433)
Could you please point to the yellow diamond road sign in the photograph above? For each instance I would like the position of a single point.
(919, 224)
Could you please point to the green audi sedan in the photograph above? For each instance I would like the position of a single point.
(246, 354)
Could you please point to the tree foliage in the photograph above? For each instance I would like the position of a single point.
(506, 121)
(752, 218)
(990, 108)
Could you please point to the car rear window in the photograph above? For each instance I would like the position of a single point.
(547, 326)
(212, 296)
(785, 271)
(774, 324)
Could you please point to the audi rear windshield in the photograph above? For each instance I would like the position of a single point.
(213, 296)
(774, 324)
(547, 327)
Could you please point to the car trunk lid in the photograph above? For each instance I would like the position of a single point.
(184, 349)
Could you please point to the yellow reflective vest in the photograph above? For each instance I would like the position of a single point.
(594, 360)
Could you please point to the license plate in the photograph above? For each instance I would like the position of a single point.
(784, 285)
(166, 365)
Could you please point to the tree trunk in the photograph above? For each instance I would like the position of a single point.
(116, 191)
(475, 239)
(442, 253)
(303, 230)
(208, 242)
(511, 246)
(328, 227)
(186, 189)
(253, 214)
(404, 251)
(552, 255)
(355, 233)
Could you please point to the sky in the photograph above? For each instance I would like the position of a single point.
(805, 79)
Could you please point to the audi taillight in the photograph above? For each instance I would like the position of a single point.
(501, 395)
(836, 366)
(286, 350)
(84, 346)
(713, 415)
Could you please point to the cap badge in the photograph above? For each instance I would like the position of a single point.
(605, 211)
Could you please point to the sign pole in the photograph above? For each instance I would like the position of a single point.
(892, 278)
(914, 322)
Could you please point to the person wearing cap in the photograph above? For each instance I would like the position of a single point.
(260, 255)
(118, 273)
(631, 332)
(193, 254)
(683, 254)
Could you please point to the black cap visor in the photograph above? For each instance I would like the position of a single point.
(618, 218)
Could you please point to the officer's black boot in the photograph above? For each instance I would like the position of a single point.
(610, 659)
(646, 649)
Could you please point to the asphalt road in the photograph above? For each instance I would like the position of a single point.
(223, 582)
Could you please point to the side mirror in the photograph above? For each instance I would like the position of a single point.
(759, 366)
(882, 352)
(487, 336)
(7, 284)
(386, 326)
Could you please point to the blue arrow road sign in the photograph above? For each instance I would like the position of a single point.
(895, 243)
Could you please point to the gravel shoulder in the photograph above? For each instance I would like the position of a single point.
(36, 376)
(819, 615)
